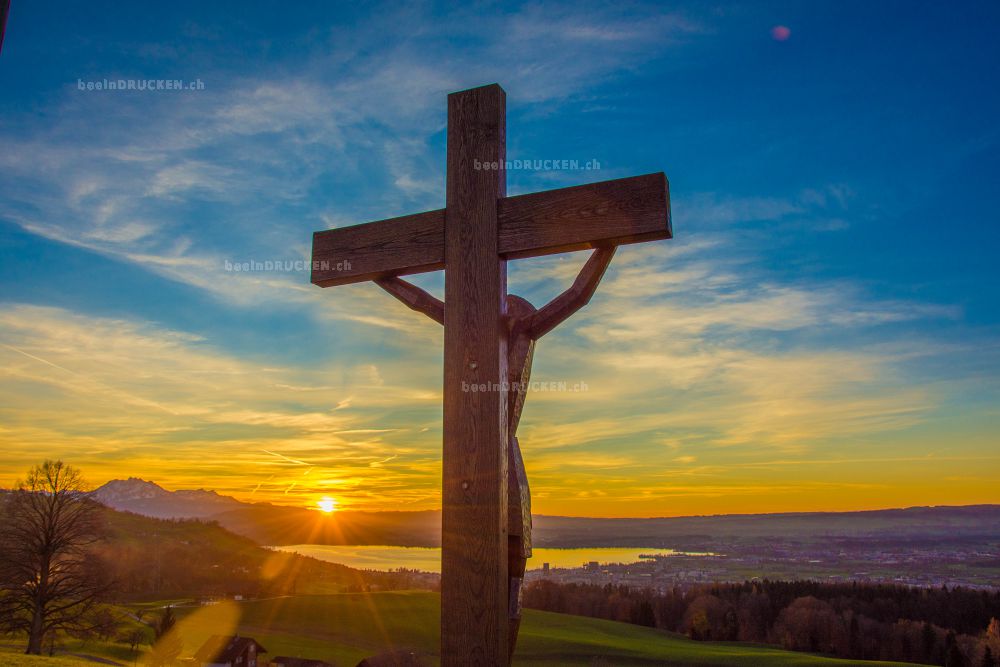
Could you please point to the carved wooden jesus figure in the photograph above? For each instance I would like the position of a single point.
(526, 324)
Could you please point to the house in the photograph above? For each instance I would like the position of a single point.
(229, 651)
(285, 661)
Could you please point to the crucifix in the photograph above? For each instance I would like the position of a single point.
(489, 339)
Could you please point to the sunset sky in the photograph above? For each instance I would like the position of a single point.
(823, 333)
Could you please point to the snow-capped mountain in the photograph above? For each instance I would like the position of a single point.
(150, 499)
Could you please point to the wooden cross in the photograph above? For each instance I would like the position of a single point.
(471, 239)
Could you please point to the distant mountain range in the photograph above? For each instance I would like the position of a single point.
(282, 525)
(272, 524)
(149, 499)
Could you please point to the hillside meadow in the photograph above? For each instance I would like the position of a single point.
(345, 628)
(348, 627)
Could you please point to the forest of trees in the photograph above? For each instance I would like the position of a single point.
(956, 627)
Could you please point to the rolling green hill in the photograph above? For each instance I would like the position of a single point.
(158, 558)
(345, 628)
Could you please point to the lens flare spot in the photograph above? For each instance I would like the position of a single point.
(780, 33)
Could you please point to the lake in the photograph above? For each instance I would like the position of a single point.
(429, 559)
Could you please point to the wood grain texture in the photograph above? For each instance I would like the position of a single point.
(395, 247)
(414, 297)
(557, 311)
(626, 210)
(474, 623)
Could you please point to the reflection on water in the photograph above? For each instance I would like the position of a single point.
(429, 559)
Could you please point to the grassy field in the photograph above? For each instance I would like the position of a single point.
(345, 628)
(14, 657)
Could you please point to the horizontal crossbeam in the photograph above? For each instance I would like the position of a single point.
(626, 210)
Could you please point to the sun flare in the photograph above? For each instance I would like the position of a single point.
(327, 505)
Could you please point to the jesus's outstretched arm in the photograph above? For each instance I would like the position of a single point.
(414, 297)
(548, 317)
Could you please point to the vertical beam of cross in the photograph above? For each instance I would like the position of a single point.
(474, 517)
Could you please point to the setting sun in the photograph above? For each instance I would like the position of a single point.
(327, 505)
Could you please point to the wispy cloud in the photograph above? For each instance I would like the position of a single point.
(179, 185)
(127, 390)
(707, 359)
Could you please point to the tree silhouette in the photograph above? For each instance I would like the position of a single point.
(952, 655)
(929, 643)
(643, 614)
(50, 581)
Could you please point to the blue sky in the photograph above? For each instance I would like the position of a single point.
(822, 333)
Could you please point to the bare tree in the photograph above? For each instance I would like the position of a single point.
(50, 580)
